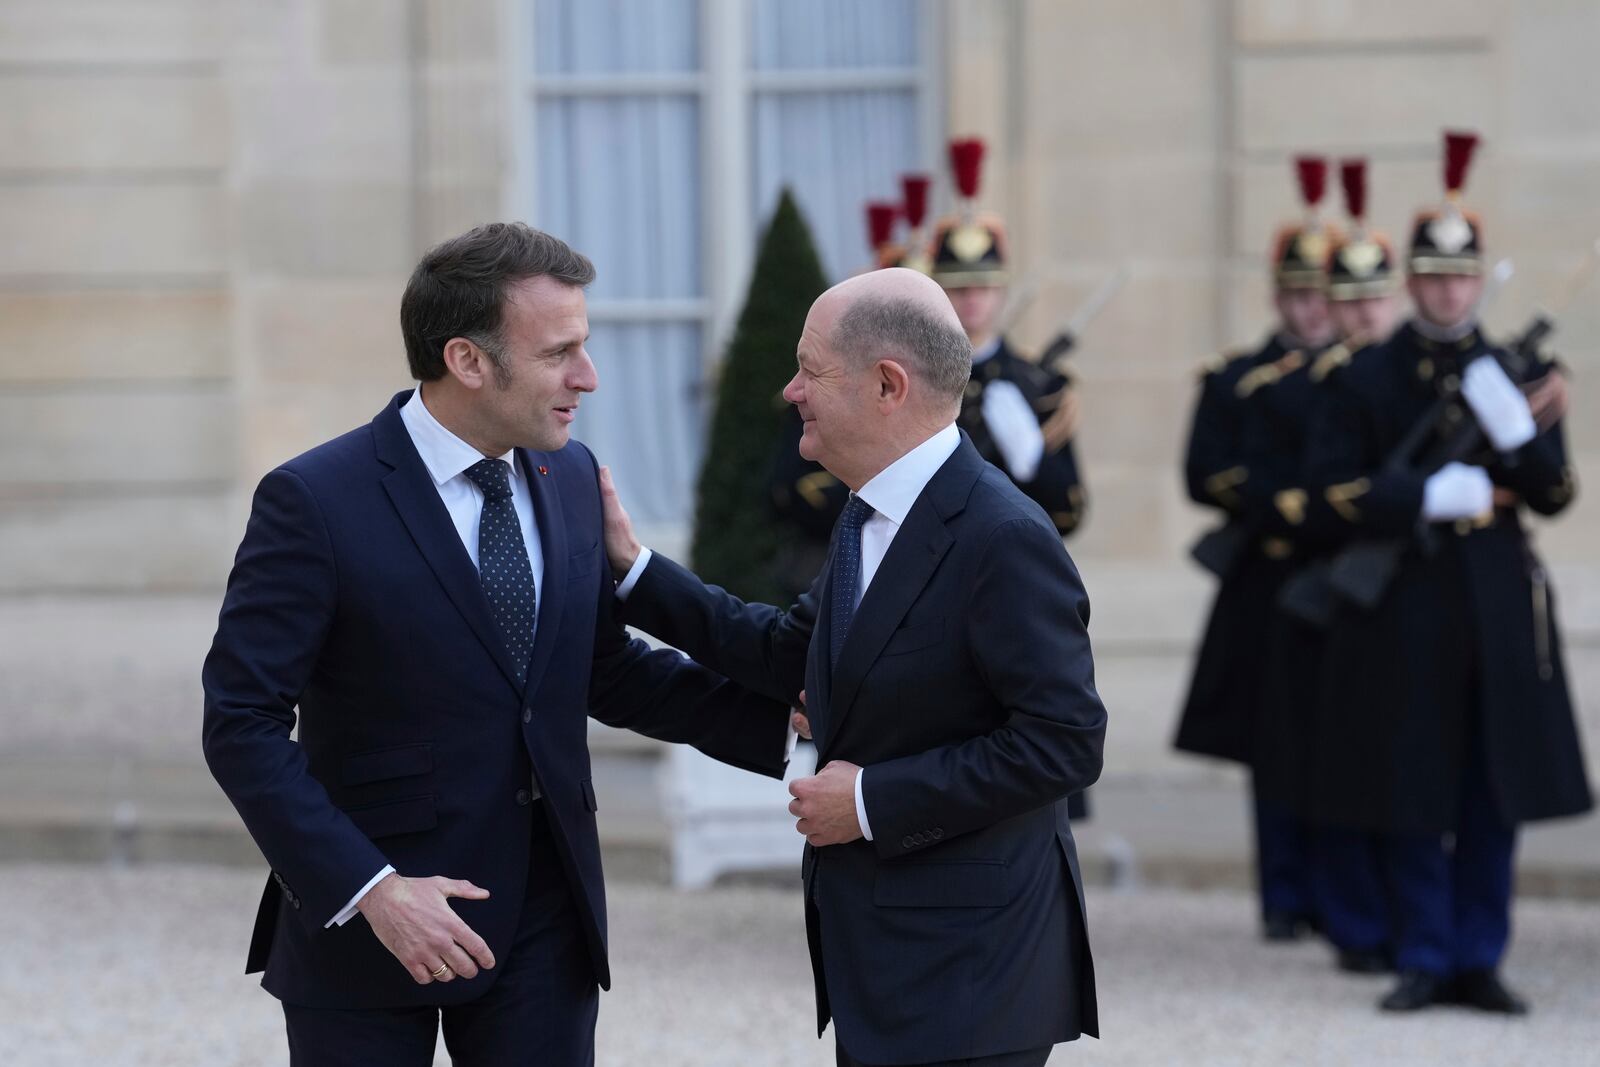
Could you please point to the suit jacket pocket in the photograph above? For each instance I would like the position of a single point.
(382, 764)
(951, 884)
(584, 562)
(408, 815)
(914, 637)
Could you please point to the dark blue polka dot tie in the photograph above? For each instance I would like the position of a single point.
(503, 565)
(846, 573)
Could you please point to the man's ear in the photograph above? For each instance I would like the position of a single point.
(894, 384)
(466, 362)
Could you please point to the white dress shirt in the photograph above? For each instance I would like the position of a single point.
(447, 458)
(890, 495)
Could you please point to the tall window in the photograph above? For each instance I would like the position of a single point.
(656, 136)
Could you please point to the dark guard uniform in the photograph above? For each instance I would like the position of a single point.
(1347, 879)
(969, 249)
(1056, 485)
(1226, 714)
(1455, 724)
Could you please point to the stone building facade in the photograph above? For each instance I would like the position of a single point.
(209, 207)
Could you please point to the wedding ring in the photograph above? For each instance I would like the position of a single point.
(444, 969)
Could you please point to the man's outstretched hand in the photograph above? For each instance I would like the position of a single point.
(825, 804)
(412, 917)
(622, 548)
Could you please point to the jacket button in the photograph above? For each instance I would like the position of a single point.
(524, 797)
(906, 842)
(527, 714)
(937, 833)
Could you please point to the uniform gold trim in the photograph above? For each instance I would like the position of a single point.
(1270, 373)
(1445, 265)
(957, 279)
(1361, 290)
(1222, 484)
(813, 488)
(1330, 361)
(1291, 504)
(1342, 498)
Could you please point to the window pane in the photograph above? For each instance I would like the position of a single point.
(619, 179)
(616, 36)
(645, 419)
(836, 151)
(826, 34)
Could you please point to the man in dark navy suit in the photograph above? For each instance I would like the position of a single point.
(945, 656)
(431, 594)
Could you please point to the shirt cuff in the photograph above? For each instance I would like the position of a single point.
(790, 741)
(349, 911)
(625, 586)
(861, 807)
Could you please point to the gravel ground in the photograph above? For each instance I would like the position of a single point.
(141, 966)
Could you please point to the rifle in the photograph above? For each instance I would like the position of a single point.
(1066, 337)
(1362, 571)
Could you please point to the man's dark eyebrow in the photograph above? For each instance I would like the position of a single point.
(564, 345)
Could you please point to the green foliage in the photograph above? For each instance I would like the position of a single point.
(737, 538)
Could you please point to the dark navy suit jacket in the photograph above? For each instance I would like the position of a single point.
(965, 687)
(353, 598)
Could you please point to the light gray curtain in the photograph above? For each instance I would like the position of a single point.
(620, 178)
(839, 148)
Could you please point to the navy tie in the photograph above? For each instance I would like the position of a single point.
(846, 573)
(503, 565)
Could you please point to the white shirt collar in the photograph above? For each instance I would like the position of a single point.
(444, 454)
(895, 488)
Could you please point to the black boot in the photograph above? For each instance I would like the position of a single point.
(1484, 990)
(1281, 926)
(1365, 961)
(1417, 990)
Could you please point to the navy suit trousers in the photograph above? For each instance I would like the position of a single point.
(541, 1009)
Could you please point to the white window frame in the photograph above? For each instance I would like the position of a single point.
(726, 86)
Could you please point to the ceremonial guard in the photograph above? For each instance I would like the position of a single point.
(1443, 669)
(1229, 468)
(1348, 893)
(1020, 415)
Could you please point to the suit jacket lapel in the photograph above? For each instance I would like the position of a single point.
(819, 674)
(913, 556)
(416, 498)
(552, 522)
(917, 548)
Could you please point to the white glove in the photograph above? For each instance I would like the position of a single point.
(1014, 427)
(1457, 491)
(1501, 408)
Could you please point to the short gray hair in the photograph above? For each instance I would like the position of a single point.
(895, 328)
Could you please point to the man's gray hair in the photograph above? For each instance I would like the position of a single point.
(929, 347)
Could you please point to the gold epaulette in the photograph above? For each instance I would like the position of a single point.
(1561, 495)
(1221, 360)
(1330, 361)
(813, 488)
(1269, 373)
